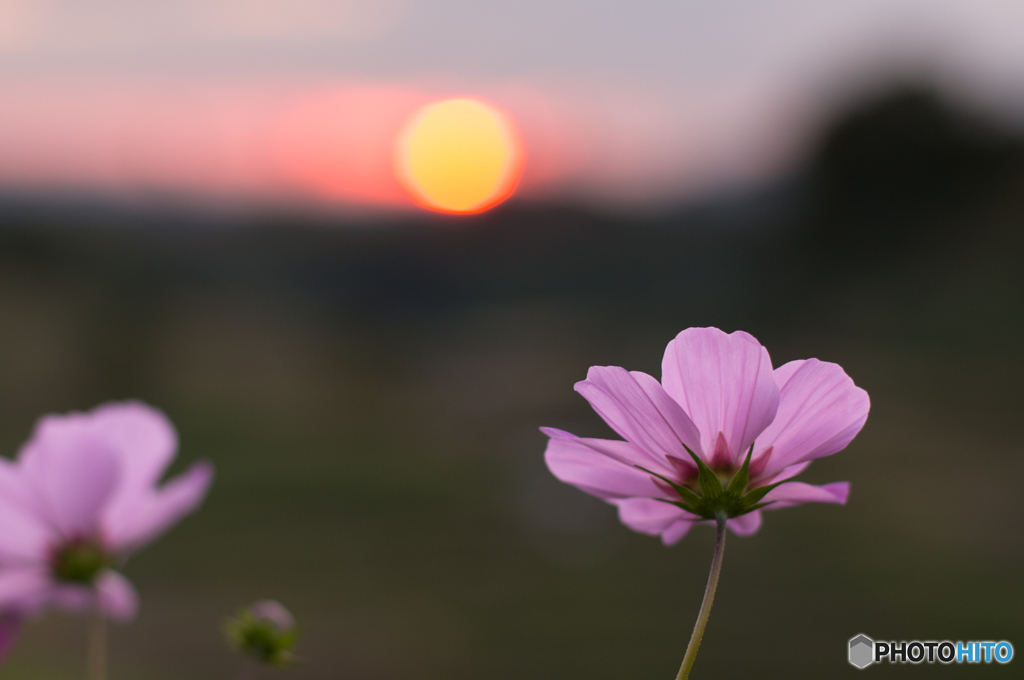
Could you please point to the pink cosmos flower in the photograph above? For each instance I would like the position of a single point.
(720, 400)
(81, 497)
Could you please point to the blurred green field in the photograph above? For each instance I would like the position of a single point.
(371, 397)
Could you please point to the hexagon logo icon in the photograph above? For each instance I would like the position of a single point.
(862, 651)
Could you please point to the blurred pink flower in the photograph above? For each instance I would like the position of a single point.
(718, 397)
(80, 498)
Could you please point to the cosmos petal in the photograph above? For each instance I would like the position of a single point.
(13, 489)
(745, 525)
(649, 516)
(676, 531)
(640, 411)
(24, 537)
(572, 461)
(820, 412)
(624, 452)
(668, 408)
(116, 596)
(143, 439)
(794, 493)
(73, 473)
(724, 383)
(24, 590)
(158, 510)
(789, 472)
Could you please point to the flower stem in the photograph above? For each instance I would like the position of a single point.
(97, 646)
(705, 607)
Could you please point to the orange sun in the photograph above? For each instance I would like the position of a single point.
(459, 156)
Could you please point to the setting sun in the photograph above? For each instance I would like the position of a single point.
(459, 155)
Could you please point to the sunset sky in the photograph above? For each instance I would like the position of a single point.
(300, 101)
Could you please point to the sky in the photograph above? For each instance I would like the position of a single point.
(620, 104)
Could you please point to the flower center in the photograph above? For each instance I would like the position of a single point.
(79, 561)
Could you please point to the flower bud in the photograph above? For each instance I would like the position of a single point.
(265, 631)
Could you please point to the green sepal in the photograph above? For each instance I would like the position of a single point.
(757, 494)
(689, 496)
(715, 501)
(679, 489)
(690, 499)
(738, 484)
(680, 504)
(755, 506)
(709, 483)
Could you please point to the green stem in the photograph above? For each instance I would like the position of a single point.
(97, 646)
(705, 607)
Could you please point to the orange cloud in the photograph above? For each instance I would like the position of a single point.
(336, 143)
(331, 143)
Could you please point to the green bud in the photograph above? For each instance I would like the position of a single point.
(265, 631)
